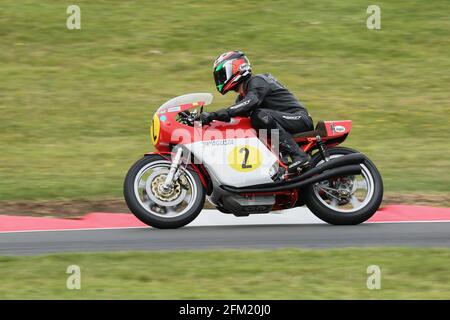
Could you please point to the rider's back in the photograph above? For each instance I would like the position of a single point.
(273, 95)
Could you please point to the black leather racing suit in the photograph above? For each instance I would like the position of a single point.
(271, 106)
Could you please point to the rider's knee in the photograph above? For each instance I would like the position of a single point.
(262, 120)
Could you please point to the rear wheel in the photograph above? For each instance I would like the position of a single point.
(155, 206)
(345, 200)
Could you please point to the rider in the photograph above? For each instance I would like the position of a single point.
(268, 103)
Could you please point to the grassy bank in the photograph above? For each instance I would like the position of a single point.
(76, 105)
(269, 274)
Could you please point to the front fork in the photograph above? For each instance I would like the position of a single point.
(174, 173)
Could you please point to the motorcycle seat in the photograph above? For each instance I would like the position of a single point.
(320, 130)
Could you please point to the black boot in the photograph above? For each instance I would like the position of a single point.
(300, 159)
(299, 163)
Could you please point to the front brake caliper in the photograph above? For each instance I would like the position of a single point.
(183, 181)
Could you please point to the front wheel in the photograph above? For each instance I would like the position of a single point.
(157, 207)
(346, 200)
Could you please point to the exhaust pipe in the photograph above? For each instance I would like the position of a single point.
(340, 171)
(354, 158)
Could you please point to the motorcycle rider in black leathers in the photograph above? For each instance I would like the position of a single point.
(268, 103)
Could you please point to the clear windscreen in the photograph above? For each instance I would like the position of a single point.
(206, 98)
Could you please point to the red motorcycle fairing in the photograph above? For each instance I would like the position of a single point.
(172, 132)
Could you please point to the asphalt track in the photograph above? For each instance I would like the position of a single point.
(315, 235)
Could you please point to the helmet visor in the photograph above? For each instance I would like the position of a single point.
(223, 73)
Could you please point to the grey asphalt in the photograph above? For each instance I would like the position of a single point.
(262, 236)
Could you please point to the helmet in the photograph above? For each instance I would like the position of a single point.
(230, 69)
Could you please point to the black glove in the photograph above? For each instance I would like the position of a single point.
(206, 117)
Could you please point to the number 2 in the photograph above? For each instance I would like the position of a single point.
(244, 163)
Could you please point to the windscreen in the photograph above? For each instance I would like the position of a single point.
(187, 99)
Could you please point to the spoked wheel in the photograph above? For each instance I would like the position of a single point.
(347, 199)
(157, 206)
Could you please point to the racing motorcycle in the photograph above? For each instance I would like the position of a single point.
(240, 171)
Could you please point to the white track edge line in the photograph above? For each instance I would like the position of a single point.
(217, 225)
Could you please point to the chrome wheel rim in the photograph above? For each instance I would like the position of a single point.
(346, 194)
(171, 204)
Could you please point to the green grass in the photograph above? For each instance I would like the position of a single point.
(75, 106)
(232, 274)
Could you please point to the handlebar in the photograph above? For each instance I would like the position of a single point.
(188, 118)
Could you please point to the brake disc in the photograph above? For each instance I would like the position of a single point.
(342, 189)
(157, 194)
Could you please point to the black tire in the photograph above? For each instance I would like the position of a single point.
(154, 220)
(339, 218)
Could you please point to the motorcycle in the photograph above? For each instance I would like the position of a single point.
(240, 171)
